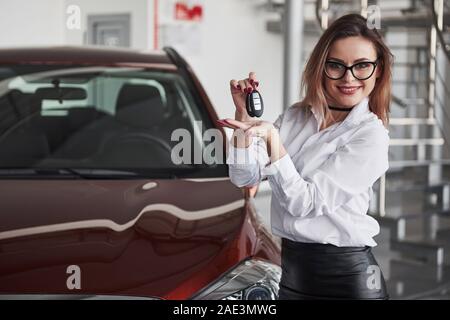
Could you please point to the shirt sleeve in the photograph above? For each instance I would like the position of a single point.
(246, 164)
(349, 171)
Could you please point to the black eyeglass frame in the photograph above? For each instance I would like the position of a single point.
(373, 63)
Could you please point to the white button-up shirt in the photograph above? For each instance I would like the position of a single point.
(322, 187)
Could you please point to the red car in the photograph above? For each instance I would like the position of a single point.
(92, 204)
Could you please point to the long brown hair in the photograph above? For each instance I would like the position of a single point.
(312, 81)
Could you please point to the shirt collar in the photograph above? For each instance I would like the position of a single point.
(356, 115)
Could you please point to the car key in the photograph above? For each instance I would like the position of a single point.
(254, 104)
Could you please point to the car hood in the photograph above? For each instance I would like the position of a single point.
(159, 238)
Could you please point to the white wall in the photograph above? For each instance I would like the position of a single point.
(138, 10)
(31, 23)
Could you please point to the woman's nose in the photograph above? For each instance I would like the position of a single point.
(348, 76)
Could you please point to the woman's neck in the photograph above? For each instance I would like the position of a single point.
(339, 112)
(339, 115)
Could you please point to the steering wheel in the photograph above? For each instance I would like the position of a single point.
(118, 144)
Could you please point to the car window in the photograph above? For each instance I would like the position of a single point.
(102, 118)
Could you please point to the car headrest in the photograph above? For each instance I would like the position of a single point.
(26, 103)
(81, 116)
(139, 106)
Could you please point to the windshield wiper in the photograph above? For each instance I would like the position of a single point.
(36, 172)
(93, 173)
(62, 173)
(80, 173)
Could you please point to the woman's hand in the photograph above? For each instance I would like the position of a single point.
(245, 130)
(239, 90)
(251, 128)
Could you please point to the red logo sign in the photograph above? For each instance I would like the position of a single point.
(183, 12)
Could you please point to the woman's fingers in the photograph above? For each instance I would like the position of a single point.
(240, 88)
(245, 85)
(242, 85)
(248, 86)
(234, 84)
(225, 124)
(235, 124)
(252, 76)
(249, 128)
(252, 80)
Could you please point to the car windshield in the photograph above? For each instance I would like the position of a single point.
(95, 119)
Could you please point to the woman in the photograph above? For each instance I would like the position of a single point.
(321, 157)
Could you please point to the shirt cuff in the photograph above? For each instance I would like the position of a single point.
(282, 170)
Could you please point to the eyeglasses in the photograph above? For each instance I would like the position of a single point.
(361, 70)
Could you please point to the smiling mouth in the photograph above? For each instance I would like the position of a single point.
(348, 89)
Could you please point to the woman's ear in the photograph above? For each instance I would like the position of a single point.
(378, 70)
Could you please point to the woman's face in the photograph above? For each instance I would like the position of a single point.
(349, 91)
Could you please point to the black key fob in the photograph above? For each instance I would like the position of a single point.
(254, 104)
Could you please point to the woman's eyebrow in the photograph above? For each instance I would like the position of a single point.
(357, 60)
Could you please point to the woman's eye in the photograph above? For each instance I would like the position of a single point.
(333, 65)
(362, 66)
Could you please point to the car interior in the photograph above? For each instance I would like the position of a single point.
(132, 131)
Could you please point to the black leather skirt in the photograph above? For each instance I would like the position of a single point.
(325, 271)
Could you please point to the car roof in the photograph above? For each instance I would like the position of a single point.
(89, 55)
